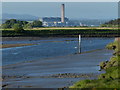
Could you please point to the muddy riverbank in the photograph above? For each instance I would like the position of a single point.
(54, 72)
(26, 38)
(51, 62)
(14, 45)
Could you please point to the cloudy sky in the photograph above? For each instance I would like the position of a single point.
(90, 10)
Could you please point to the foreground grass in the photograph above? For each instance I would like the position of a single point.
(111, 78)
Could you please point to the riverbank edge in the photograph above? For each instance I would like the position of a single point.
(14, 45)
(110, 79)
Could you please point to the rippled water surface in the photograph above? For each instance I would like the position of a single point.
(49, 48)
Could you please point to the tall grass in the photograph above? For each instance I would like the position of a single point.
(62, 32)
(109, 80)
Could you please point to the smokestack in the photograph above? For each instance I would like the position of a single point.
(62, 13)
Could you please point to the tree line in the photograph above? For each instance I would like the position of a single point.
(20, 25)
(112, 23)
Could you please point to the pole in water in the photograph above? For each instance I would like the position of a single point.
(79, 47)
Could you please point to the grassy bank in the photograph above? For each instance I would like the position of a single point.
(111, 78)
(89, 32)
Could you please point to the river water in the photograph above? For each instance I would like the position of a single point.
(51, 57)
(49, 48)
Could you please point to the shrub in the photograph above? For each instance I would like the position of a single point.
(18, 28)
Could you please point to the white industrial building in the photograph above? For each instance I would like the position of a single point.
(53, 21)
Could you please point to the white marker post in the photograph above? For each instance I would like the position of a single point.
(79, 47)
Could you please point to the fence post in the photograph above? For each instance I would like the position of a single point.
(79, 45)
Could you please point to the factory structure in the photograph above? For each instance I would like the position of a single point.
(58, 21)
(53, 21)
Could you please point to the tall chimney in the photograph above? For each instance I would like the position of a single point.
(62, 13)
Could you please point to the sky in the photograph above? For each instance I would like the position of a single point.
(74, 10)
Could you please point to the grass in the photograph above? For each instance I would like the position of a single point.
(45, 28)
(107, 80)
(64, 32)
(114, 45)
(99, 83)
(78, 27)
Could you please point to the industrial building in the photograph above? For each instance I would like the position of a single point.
(53, 21)
(58, 21)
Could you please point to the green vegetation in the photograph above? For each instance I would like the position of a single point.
(18, 28)
(111, 78)
(15, 27)
(112, 23)
(64, 32)
(24, 24)
(34, 24)
(10, 23)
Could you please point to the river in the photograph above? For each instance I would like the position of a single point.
(39, 66)
(49, 48)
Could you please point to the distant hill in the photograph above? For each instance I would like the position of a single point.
(24, 17)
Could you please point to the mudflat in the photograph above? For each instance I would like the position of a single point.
(56, 72)
(25, 38)
(14, 45)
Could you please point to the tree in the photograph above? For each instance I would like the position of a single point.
(103, 25)
(37, 23)
(113, 22)
(24, 22)
(13, 21)
(5, 26)
(10, 23)
(28, 26)
(18, 28)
